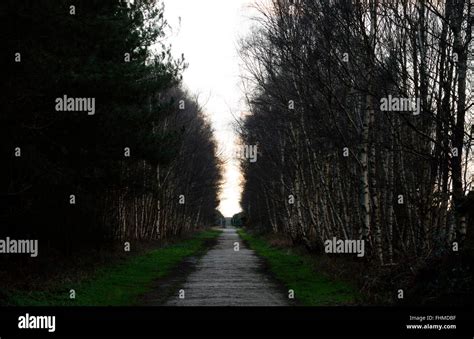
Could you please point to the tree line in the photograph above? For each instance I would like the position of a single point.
(362, 114)
(143, 166)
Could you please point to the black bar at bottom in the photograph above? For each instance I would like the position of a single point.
(240, 321)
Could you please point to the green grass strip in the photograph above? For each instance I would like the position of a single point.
(120, 284)
(296, 272)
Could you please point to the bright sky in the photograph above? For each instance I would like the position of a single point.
(207, 32)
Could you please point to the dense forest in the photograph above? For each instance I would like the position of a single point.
(362, 114)
(358, 130)
(99, 139)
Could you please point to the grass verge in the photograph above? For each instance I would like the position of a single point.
(120, 284)
(296, 272)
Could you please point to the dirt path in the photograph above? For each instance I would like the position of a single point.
(224, 277)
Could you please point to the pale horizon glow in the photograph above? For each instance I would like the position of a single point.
(207, 32)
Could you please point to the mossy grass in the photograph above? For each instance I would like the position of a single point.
(296, 272)
(120, 284)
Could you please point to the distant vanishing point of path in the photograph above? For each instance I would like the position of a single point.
(224, 277)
